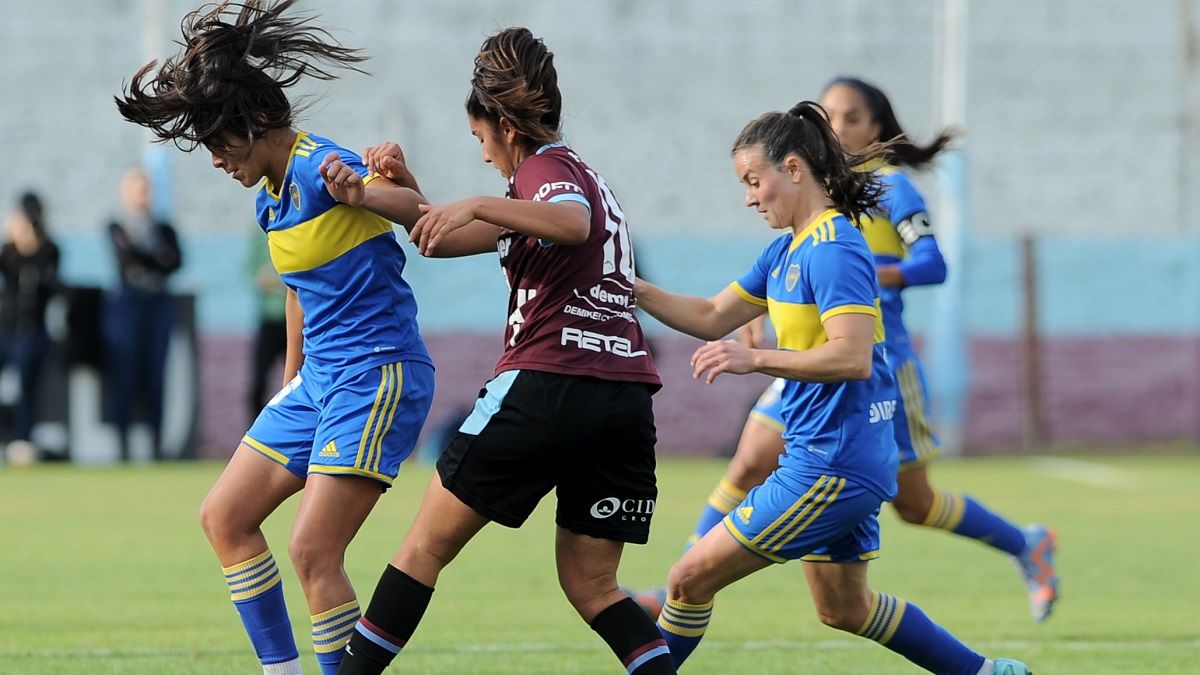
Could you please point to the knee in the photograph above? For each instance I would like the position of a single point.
(686, 583)
(423, 557)
(312, 558)
(847, 616)
(590, 595)
(912, 508)
(217, 521)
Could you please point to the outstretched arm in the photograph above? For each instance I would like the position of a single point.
(377, 194)
(708, 319)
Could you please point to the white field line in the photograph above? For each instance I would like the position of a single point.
(1088, 473)
(542, 647)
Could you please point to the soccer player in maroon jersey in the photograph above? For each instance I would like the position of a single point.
(569, 407)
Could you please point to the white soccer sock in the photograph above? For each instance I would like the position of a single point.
(988, 667)
(293, 668)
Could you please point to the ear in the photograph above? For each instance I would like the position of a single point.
(794, 167)
(507, 131)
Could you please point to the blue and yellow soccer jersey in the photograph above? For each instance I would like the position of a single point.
(899, 233)
(344, 264)
(841, 428)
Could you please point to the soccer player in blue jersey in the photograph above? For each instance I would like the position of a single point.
(359, 380)
(906, 254)
(817, 282)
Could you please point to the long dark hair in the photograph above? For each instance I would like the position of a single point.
(229, 79)
(902, 150)
(805, 132)
(514, 78)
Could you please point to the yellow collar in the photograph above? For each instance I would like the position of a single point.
(826, 215)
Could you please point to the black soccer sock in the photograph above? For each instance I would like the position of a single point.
(396, 608)
(634, 639)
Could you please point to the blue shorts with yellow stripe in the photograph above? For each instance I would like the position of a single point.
(821, 518)
(362, 423)
(914, 433)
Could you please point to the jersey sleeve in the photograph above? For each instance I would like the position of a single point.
(841, 277)
(543, 178)
(906, 208)
(924, 264)
(752, 286)
(307, 173)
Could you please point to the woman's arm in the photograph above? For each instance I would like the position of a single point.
(294, 357)
(566, 223)
(707, 319)
(846, 356)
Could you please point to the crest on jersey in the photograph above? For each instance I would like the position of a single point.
(793, 276)
(271, 213)
(294, 191)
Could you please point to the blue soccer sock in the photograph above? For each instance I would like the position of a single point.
(331, 631)
(723, 499)
(964, 516)
(257, 592)
(903, 628)
(682, 626)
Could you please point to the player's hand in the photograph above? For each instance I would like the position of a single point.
(387, 160)
(437, 221)
(343, 183)
(723, 356)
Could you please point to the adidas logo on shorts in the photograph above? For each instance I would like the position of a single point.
(329, 450)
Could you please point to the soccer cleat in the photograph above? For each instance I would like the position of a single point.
(1010, 667)
(1036, 564)
(650, 601)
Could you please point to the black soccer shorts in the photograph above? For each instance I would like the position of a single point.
(531, 431)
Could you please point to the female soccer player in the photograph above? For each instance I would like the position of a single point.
(360, 385)
(906, 254)
(569, 408)
(818, 284)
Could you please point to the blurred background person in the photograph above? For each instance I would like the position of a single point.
(138, 315)
(29, 267)
(270, 338)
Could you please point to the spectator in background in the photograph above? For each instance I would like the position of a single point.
(139, 316)
(270, 341)
(29, 266)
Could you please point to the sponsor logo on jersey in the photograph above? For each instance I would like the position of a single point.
(638, 510)
(598, 342)
(882, 410)
(793, 276)
(555, 186)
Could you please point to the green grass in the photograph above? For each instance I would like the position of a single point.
(106, 571)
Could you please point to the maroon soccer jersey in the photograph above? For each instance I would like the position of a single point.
(571, 308)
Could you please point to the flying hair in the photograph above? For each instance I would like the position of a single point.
(903, 150)
(228, 80)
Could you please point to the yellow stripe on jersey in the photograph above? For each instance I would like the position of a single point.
(328, 236)
(882, 237)
(304, 145)
(302, 139)
(873, 310)
(747, 296)
(809, 233)
(798, 326)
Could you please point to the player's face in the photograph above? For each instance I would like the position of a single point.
(497, 149)
(770, 190)
(850, 117)
(245, 162)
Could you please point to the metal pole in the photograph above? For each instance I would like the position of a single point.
(1034, 436)
(948, 366)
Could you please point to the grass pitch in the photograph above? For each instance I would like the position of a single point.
(106, 571)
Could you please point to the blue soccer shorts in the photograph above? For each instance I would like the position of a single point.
(816, 518)
(362, 423)
(914, 433)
